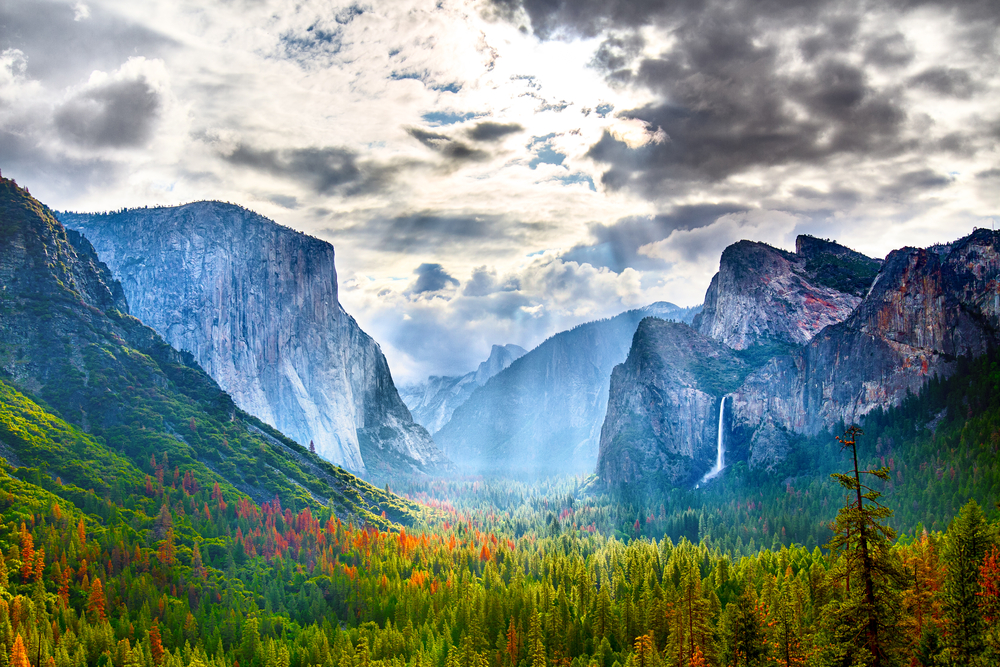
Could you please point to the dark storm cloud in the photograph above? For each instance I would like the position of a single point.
(451, 150)
(947, 81)
(725, 98)
(431, 278)
(327, 170)
(616, 246)
(121, 114)
(63, 50)
(889, 51)
(919, 181)
(490, 131)
(419, 232)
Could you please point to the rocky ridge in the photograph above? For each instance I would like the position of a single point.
(924, 309)
(544, 412)
(433, 402)
(664, 405)
(765, 295)
(256, 304)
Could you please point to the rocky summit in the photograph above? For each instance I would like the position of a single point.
(256, 304)
(765, 295)
(821, 338)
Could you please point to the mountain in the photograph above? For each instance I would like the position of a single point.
(924, 309)
(256, 304)
(765, 295)
(544, 412)
(433, 402)
(91, 398)
(664, 405)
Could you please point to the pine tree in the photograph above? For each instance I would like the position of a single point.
(536, 642)
(96, 601)
(19, 654)
(867, 621)
(966, 545)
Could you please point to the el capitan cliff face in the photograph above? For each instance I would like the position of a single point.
(256, 304)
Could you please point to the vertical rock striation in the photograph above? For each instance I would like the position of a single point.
(766, 295)
(847, 345)
(256, 304)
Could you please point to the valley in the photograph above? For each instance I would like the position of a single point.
(206, 461)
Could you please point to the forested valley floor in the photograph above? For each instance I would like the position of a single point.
(170, 570)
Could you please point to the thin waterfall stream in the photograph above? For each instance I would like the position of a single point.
(720, 447)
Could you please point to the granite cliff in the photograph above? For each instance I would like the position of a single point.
(544, 412)
(256, 304)
(433, 402)
(926, 308)
(664, 404)
(824, 340)
(766, 295)
(91, 398)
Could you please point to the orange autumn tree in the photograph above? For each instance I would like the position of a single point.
(96, 601)
(18, 654)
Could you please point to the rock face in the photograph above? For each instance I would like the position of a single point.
(664, 403)
(924, 309)
(433, 402)
(544, 412)
(256, 304)
(765, 295)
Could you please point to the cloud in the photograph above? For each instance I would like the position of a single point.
(65, 42)
(427, 231)
(616, 246)
(327, 169)
(490, 131)
(698, 250)
(453, 151)
(431, 278)
(946, 81)
(485, 281)
(116, 114)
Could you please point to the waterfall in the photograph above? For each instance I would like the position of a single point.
(720, 447)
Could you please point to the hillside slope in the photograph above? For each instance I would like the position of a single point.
(93, 396)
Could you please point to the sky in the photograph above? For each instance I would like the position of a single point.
(496, 171)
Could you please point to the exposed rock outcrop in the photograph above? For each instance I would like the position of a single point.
(544, 412)
(256, 304)
(765, 295)
(664, 403)
(926, 308)
(433, 402)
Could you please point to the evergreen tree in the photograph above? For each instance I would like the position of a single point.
(967, 543)
(868, 618)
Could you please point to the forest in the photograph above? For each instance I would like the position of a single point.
(166, 571)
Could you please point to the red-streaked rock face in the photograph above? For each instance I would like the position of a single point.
(764, 295)
(256, 304)
(926, 308)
